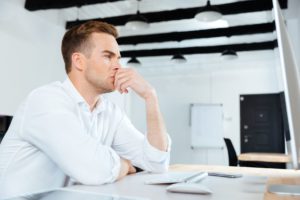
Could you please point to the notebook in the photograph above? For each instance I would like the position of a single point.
(176, 177)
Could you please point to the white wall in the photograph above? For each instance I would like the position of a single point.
(292, 16)
(223, 84)
(29, 51)
(220, 85)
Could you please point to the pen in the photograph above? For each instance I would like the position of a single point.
(196, 177)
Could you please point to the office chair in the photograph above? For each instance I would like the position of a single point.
(233, 160)
(5, 121)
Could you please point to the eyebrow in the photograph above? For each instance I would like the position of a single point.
(110, 52)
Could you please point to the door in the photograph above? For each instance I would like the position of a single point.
(261, 124)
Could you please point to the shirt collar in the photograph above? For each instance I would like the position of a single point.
(70, 88)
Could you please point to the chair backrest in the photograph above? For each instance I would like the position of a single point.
(5, 121)
(233, 161)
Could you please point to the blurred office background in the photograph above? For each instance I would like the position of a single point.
(31, 33)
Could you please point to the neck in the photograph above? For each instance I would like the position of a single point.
(90, 95)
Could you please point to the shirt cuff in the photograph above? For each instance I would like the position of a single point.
(156, 155)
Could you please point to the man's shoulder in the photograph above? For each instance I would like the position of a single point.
(48, 89)
(51, 92)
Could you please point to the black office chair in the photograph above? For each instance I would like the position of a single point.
(5, 121)
(233, 160)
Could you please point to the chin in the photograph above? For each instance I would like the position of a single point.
(107, 90)
(111, 90)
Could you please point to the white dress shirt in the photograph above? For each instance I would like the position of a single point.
(54, 136)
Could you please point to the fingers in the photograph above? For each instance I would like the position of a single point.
(126, 168)
(121, 73)
(131, 169)
(122, 84)
(123, 79)
(129, 78)
(125, 85)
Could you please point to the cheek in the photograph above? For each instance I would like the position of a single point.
(106, 61)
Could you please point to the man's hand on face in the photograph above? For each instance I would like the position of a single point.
(128, 78)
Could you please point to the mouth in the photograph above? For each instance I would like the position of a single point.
(113, 77)
(113, 74)
(112, 80)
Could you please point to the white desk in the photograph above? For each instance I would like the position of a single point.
(275, 176)
(247, 187)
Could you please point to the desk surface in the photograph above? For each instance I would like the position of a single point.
(275, 176)
(251, 186)
(265, 157)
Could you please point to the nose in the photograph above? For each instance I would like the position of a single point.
(117, 65)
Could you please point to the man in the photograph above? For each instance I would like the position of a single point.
(66, 133)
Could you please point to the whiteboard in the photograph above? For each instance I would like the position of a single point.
(207, 126)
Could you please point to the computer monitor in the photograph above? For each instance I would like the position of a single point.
(291, 87)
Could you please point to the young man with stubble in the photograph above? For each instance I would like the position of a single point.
(68, 132)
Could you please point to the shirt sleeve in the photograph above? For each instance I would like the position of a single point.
(131, 144)
(52, 125)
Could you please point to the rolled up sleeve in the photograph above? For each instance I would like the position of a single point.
(159, 159)
(133, 145)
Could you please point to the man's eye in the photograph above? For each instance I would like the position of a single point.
(107, 56)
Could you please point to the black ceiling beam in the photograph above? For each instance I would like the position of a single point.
(201, 50)
(207, 33)
(33, 5)
(189, 13)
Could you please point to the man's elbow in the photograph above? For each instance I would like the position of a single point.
(97, 177)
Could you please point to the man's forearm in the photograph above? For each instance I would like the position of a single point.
(156, 135)
(156, 130)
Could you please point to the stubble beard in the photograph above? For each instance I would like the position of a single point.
(99, 84)
(103, 87)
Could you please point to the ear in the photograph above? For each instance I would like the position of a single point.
(78, 61)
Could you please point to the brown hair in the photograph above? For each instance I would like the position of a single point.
(77, 39)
